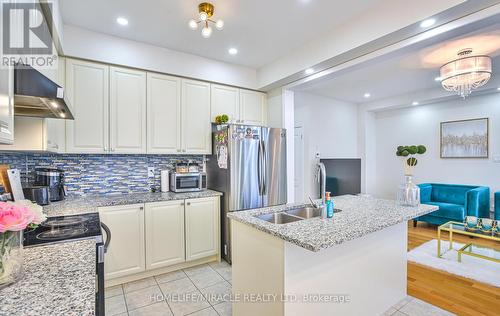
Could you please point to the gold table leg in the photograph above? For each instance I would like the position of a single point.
(439, 243)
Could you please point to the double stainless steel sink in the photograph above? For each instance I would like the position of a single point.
(291, 216)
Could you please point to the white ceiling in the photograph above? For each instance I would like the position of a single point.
(407, 73)
(262, 30)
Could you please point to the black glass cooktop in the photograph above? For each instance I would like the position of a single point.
(64, 228)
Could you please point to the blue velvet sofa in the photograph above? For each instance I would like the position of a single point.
(454, 201)
(497, 206)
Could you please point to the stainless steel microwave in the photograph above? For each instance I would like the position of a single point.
(188, 182)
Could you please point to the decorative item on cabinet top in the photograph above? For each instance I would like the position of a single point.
(99, 173)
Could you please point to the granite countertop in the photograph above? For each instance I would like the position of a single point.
(360, 216)
(89, 203)
(58, 279)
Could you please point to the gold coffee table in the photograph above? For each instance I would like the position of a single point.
(470, 248)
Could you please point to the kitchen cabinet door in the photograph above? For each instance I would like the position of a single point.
(195, 113)
(56, 128)
(253, 107)
(163, 114)
(87, 89)
(127, 103)
(126, 251)
(202, 227)
(225, 100)
(7, 106)
(164, 234)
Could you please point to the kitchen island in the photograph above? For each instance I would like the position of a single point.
(353, 264)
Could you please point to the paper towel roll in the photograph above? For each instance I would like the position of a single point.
(164, 180)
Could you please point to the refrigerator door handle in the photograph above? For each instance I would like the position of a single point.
(260, 168)
(264, 169)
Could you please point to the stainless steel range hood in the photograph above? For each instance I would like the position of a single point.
(38, 96)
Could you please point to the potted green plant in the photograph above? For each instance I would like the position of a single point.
(409, 193)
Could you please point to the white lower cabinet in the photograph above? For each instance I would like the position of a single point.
(156, 235)
(126, 252)
(164, 234)
(202, 228)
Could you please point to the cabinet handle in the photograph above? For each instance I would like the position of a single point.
(178, 150)
(105, 148)
(183, 150)
(188, 203)
(141, 208)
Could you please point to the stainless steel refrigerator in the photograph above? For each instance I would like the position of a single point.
(248, 164)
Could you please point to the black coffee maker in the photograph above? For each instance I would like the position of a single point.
(54, 179)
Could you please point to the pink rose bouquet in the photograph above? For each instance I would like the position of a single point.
(19, 215)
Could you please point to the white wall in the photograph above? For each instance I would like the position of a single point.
(330, 127)
(421, 125)
(86, 44)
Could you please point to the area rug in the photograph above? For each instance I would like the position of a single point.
(481, 270)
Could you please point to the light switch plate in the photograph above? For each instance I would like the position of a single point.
(151, 172)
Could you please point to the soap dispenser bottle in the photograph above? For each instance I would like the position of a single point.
(329, 206)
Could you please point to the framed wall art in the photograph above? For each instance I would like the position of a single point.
(465, 138)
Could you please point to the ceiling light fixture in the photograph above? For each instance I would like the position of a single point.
(367, 95)
(205, 12)
(232, 51)
(498, 88)
(414, 103)
(467, 73)
(122, 21)
(309, 71)
(427, 23)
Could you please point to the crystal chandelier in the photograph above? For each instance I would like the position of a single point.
(466, 73)
(205, 12)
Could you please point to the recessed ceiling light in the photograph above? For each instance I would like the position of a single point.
(415, 103)
(498, 88)
(232, 51)
(427, 23)
(437, 79)
(122, 21)
(367, 95)
(309, 71)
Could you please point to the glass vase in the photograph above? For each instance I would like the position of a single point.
(409, 193)
(11, 257)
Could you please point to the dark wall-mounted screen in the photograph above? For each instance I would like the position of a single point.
(343, 176)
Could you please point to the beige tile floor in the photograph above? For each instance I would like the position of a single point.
(147, 297)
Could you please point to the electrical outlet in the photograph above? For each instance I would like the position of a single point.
(151, 172)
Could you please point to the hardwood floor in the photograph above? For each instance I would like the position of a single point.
(455, 294)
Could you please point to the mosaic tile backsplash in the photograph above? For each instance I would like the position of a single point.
(98, 174)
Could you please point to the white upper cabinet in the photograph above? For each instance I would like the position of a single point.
(6, 106)
(195, 114)
(225, 100)
(164, 234)
(164, 114)
(87, 89)
(202, 227)
(253, 107)
(127, 123)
